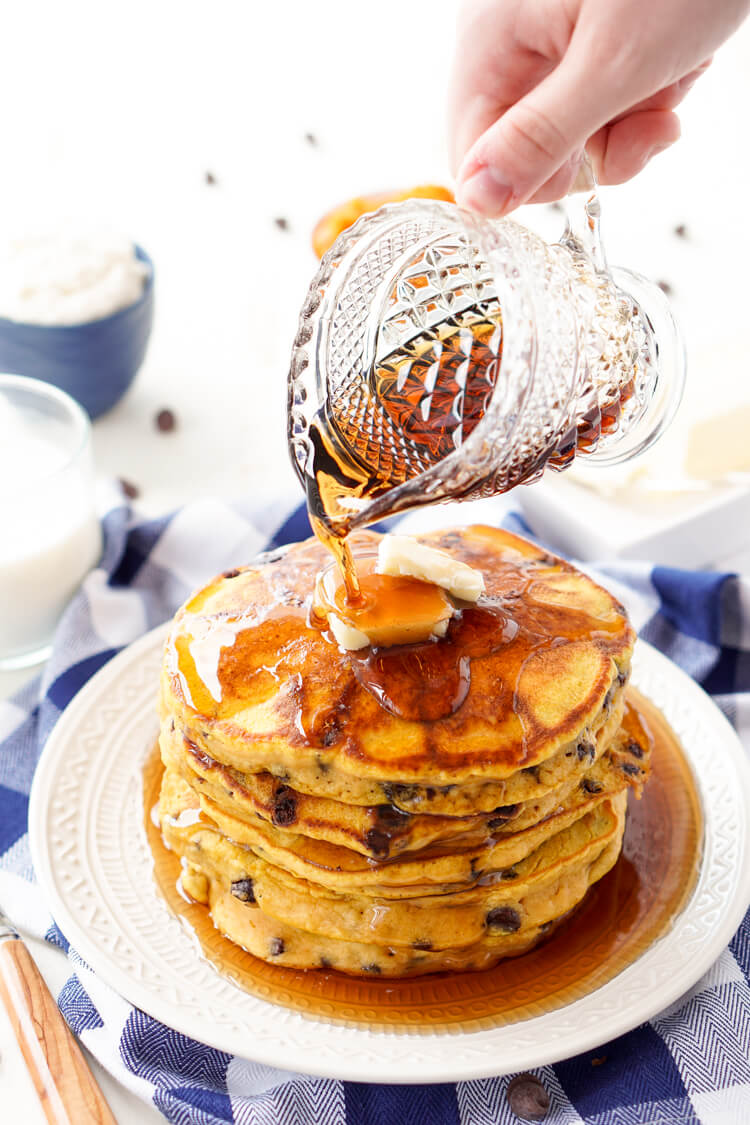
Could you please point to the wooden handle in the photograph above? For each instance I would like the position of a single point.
(63, 1081)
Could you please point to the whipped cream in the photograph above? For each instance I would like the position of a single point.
(67, 277)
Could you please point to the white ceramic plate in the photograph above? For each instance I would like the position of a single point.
(92, 859)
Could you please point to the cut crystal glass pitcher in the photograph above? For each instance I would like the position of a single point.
(445, 356)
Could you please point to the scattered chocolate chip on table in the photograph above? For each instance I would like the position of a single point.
(132, 491)
(527, 1097)
(166, 421)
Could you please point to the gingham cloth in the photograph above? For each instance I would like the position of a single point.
(690, 1065)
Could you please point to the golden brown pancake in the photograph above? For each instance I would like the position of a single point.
(250, 682)
(402, 810)
(545, 885)
(383, 831)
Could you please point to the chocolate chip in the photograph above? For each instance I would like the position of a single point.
(425, 946)
(322, 765)
(532, 770)
(276, 947)
(501, 815)
(665, 287)
(508, 873)
(635, 748)
(325, 963)
(590, 786)
(330, 735)
(231, 573)
(622, 677)
(681, 230)
(166, 421)
(210, 179)
(311, 139)
(403, 793)
(284, 807)
(527, 1097)
(586, 750)
(378, 843)
(243, 890)
(372, 968)
(132, 491)
(388, 816)
(630, 768)
(504, 918)
(282, 223)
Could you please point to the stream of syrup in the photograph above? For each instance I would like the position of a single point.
(620, 918)
(433, 391)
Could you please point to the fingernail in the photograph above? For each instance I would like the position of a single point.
(485, 192)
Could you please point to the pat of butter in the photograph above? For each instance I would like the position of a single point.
(391, 633)
(346, 635)
(399, 555)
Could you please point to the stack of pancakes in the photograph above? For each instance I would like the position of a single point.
(327, 825)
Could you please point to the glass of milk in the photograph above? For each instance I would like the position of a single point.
(49, 533)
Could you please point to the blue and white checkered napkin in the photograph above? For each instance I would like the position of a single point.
(689, 1065)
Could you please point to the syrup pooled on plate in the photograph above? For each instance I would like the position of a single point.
(619, 919)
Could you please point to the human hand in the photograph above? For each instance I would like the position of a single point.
(536, 81)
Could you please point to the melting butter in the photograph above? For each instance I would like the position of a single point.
(402, 556)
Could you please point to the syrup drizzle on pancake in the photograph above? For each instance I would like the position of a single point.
(519, 622)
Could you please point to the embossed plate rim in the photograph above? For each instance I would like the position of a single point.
(100, 890)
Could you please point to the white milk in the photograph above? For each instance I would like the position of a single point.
(49, 533)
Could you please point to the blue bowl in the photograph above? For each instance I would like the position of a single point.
(95, 362)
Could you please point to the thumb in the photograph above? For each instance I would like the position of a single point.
(531, 141)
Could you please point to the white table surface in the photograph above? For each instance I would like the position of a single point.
(114, 117)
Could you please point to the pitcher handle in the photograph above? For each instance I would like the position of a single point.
(582, 232)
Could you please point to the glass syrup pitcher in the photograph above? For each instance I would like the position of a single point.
(444, 356)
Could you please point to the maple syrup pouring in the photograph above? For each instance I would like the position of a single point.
(428, 396)
(434, 390)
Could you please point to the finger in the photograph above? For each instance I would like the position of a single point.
(493, 67)
(520, 152)
(671, 96)
(560, 183)
(468, 120)
(620, 150)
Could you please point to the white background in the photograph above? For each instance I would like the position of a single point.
(113, 113)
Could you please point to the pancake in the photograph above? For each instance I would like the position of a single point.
(399, 810)
(281, 944)
(383, 831)
(249, 681)
(453, 865)
(547, 883)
